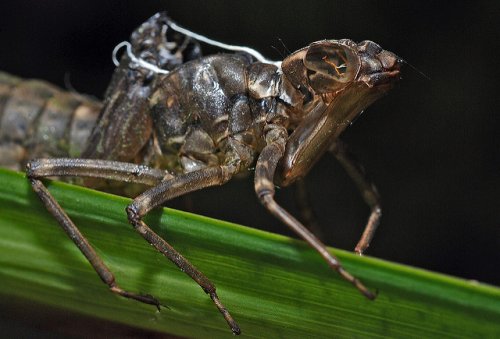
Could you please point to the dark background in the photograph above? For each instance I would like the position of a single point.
(431, 146)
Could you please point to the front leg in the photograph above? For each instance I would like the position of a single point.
(264, 187)
(366, 188)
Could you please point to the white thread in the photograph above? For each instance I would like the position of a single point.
(209, 41)
(135, 59)
(175, 27)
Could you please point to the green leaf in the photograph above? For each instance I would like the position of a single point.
(274, 286)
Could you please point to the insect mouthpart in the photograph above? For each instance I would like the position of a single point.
(379, 79)
(378, 66)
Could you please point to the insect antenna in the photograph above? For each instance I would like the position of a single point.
(283, 53)
(284, 46)
(414, 68)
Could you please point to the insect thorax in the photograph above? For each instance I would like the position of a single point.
(214, 111)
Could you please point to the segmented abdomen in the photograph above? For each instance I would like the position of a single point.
(38, 119)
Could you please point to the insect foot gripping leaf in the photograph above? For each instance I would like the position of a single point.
(181, 126)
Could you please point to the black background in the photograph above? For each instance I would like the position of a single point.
(431, 146)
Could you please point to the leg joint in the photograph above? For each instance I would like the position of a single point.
(265, 195)
(133, 214)
(31, 168)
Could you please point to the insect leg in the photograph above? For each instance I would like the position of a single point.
(167, 190)
(305, 208)
(39, 168)
(264, 187)
(367, 189)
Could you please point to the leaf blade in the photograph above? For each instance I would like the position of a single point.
(273, 285)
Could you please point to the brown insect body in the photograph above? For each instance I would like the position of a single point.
(215, 110)
(205, 121)
(40, 120)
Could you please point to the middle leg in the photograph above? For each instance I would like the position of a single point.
(303, 202)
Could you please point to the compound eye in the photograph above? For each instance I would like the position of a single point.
(330, 66)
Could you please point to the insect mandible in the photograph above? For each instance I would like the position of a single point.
(180, 122)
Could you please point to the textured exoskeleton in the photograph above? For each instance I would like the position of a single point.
(206, 120)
